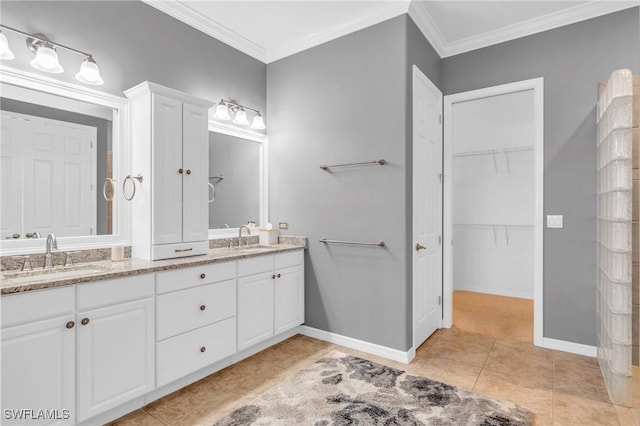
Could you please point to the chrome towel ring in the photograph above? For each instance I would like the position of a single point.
(133, 191)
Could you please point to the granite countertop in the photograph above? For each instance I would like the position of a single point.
(17, 282)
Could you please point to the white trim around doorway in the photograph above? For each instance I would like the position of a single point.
(537, 85)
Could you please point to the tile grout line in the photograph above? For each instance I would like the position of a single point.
(483, 364)
(153, 417)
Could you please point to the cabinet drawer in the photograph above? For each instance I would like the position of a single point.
(255, 265)
(111, 292)
(193, 308)
(175, 250)
(288, 259)
(183, 354)
(180, 279)
(38, 305)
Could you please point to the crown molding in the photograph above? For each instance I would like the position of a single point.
(182, 12)
(578, 13)
(385, 10)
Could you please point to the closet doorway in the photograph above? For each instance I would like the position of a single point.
(493, 167)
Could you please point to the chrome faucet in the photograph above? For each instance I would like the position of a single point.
(240, 234)
(52, 244)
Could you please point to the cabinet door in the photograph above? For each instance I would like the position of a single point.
(289, 298)
(166, 200)
(195, 194)
(116, 358)
(255, 309)
(38, 370)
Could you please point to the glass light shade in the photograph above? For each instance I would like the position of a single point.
(89, 73)
(47, 60)
(241, 118)
(222, 112)
(258, 122)
(5, 52)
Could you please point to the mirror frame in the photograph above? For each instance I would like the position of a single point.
(121, 149)
(263, 142)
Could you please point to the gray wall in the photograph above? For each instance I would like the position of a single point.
(103, 143)
(133, 42)
(340, 102)
(237, 196)
(572, 60)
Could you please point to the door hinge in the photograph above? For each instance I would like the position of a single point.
(440, 177)
(90, 231)
(439, 300)
(91, 144)
(439, 239)
(439, 118)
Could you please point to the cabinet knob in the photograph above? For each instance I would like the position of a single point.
(203, 276)
(70, 324)
(84, 321)
(202, 349)
(188, 171)
(203, 307)
(279, 275)
(273, 277)
(180, 171)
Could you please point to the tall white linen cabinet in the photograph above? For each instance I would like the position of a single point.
(170, 149)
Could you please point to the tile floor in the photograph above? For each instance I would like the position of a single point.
(562, 389)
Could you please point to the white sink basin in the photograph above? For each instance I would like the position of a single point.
(254, 249)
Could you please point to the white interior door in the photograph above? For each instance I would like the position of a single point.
(56, 164)
(10, 179)
(427, 207)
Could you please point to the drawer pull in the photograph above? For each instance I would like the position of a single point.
(203, 276)
(202, 349)
(70, 324)
(203, 307)
(279, 275)
(183, 250)
(273, 277)
(84, 321)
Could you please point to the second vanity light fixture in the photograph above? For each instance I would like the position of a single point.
(225, 108)
(46, 58)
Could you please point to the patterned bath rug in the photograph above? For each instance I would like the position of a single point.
(342, 389)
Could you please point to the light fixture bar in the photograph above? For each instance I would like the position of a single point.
(235, 105)
(46, 41)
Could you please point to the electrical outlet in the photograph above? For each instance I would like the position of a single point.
(554, 221)
(283, 225)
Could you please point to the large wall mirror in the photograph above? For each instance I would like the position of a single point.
(237, 179)
(62, 157)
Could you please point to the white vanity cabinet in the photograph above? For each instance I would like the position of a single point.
(115, 343)
(39, 354)
(85, 349)
(171, 150)
(270, 296)
(196, 318)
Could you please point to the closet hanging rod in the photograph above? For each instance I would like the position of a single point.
(327, 167)
(493, 151)
(355, 243)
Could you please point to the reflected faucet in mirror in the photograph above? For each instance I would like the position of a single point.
(52, 244)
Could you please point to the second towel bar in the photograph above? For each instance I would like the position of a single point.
(327, 167)
(355, 243)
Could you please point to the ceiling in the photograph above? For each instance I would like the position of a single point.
(271, 30)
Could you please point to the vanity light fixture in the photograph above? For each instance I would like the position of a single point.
(225, 108)
(46, 57)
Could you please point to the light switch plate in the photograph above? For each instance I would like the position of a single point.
(554, 221)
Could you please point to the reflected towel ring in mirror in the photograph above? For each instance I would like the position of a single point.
(212, 191)
(108, 189)
(133, 186)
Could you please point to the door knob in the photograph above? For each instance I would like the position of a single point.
(84, 321)
(180, 171)
(420, 247)
(188, 171)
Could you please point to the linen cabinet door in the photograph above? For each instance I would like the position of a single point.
(195, 189)
(39, 371)
(167, 170)
(115, 355)
(255, 309)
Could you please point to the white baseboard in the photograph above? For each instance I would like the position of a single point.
(360, 345)
(564, 346)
